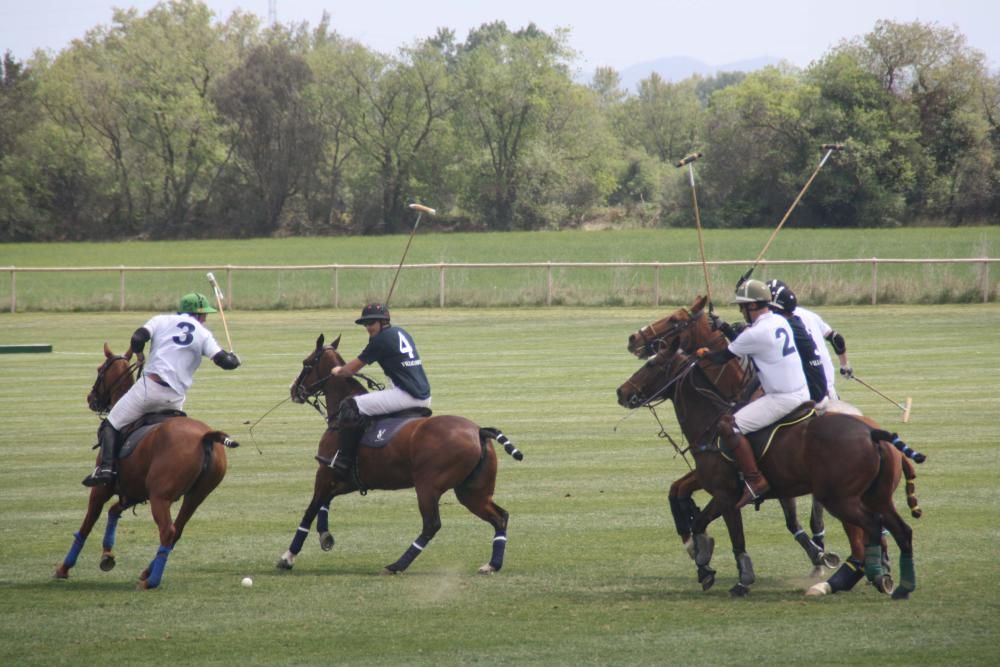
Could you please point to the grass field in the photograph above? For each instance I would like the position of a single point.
(618, 286)
(594, 573)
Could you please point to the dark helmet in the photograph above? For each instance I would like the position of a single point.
(373, 312)
(752, 291)
(195, 303)
(782, 297)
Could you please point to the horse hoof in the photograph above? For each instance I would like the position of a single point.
(884, 584)
(822, 588)
(283, 564)
(487, 569)
(831, 560)
(901, 594)
(739, 591)
(326, 541)
(818, 572)
(388, 571)
(706, 577)
(60, 573)
(145, 575)
(107, 563)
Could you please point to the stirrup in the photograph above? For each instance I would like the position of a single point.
(100, 477)
(751, 496)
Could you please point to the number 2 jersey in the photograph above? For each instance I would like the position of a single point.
(771, 346)
(179, 342)
(396, 353)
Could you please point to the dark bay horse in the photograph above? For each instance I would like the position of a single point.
(696, 327)
(430, 454)
(841, 460)
(178, 457)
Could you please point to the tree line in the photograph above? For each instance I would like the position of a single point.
(171, 124)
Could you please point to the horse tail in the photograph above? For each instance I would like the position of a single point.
(490, 433)
(213, 437)
(909, 472)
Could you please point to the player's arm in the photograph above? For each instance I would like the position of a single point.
(348, 369)
(139, 339)
(227, 361)
(840, 348)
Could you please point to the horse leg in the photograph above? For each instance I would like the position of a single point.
(99, 495)
(151, 576)
(851, 510)
(744, 566)
(319, 505)
(903, 535)
(703, 544)
(479, 501)
(427, 500)
(110, 531)
(851, 571)
(683, 507)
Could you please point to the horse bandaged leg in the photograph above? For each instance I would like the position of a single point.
(157, 565)
(74, 551)
(499, 548)
(409, 555)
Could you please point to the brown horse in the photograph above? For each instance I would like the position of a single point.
(842, 461)
(696, 326)
(177, 457)
(430, 454)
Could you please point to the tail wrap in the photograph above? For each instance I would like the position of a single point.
(508, 446)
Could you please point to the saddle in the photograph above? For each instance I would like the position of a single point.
(133, 434)
(760, 441)
(384, 427)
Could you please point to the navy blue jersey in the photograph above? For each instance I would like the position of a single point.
(812, 363)
(396, 353)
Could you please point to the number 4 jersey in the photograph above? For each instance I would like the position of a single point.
(395, 352)
(178, 343)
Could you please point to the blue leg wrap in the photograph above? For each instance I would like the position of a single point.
(410, 554)
(499, 547)
(301, 533)
(323, 520)
(110, 531)
(156, 567)
(74, 551)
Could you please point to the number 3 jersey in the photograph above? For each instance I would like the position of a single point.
(395, 352)
(178, 343)
(771, 346)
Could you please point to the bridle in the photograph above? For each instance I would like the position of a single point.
(100, 402)
(312, 393)
(653, 339)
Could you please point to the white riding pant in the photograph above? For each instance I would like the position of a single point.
(388, 400)
(144, 396)
(768, 409)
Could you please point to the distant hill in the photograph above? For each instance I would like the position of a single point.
(678, 68)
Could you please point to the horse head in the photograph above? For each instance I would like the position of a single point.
(114, 378)
(655, 379)
(688, 324)
(315, 373)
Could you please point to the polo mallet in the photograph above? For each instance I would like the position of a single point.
(905, 407)
(829, 148)
(689, 161)
(218, 302)
(421, 209)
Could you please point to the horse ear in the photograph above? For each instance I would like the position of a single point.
(699, 303)
(107, 351)
(319, 341)
(335, 343)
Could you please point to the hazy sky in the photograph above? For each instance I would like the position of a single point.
(619, 33)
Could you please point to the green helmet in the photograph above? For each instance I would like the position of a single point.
(195, 303)
(752, 291)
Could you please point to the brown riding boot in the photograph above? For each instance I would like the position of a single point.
(755, 484)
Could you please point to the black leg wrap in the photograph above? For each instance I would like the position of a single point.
(845, 578)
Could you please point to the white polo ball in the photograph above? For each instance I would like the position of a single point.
(247, 582)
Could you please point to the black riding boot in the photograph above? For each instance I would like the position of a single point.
(343, 460)
(104, 473)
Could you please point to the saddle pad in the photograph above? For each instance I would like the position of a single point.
(761, 440)
(381, 431)
(137, 430)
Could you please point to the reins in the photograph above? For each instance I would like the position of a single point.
(105, 401)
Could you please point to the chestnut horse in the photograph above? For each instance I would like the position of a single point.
(696, 327)
(177, 457)
(430, 454)
(841, 460)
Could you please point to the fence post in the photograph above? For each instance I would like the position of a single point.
(229, 285)
(121, 289)
(874, 281)
(13, 290)
(336, 287)
(548, 292)
(656, 289)
(986, 281)
(441, 283)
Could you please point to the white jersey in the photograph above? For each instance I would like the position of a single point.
(178, 343)
(769, 343)
(818, 329)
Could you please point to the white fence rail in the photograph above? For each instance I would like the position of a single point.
(985, 286)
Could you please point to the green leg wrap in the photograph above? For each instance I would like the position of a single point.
(907, 575)
(873, 561)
